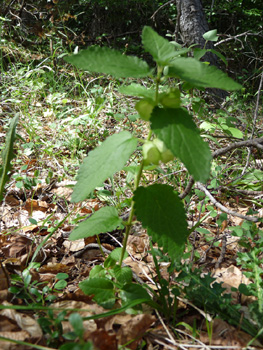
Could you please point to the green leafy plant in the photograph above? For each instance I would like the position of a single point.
(205, 293)
(51, 325)
(7, 155)
(33, 292)
(77, 333)
(172, 133)
(110, 280)
(251, 238)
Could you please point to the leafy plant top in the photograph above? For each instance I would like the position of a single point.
(172, 133)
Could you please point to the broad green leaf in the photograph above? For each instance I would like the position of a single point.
(201, 75)
(218, 54)
(102, 163)
(175, 127)
(123, 274)
(160, 48)
(60, 285)
(236, 133)
(62, 276)
(114, 257)
(161, 211)
(97, 271)
(101, 288)
(104, 220)
(211, 35)
(137, 90)
(116, 254)
(244, 289)
(132, 291)
(7, 155)
(233, 131)
(108, 61)
(180, 52)
(199, 53)
(76, 322)
(208, 126)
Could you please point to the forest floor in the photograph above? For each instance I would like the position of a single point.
(62, 116)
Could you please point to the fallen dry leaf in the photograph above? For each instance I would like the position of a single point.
(143, 270)
(134, 330)
(20, 335)
(74, 246)
(54, 268)
(138, 244)
(232, 277)
(12, 201)
(102, 340)
(17, 246)
(36, 205)
(23, 321)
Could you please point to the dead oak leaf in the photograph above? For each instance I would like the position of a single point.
(134, 329)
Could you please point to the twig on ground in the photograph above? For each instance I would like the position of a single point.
(188, 188)
(166, 346)
(257, 142)
(164, 326)
(223, 208)
(193, 338)
(247, 143)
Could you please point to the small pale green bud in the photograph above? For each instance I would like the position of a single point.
(145, 107)
(166, 154)
(151, 154)
(171, 99)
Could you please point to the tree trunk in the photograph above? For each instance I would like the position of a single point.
(191, 25)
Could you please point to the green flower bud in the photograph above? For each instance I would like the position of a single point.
(145, 107)
(151, 154)
(166, 154)
(171, 99)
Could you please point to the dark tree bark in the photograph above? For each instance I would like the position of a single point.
(191, 25)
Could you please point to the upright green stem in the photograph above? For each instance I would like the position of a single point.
(158, 80)
(139, 174)
(129, 222)
(100, 247)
